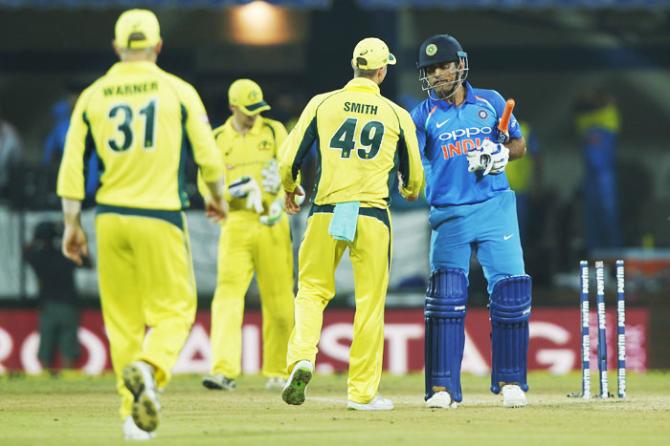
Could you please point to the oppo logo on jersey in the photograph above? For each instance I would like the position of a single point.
(467, 132)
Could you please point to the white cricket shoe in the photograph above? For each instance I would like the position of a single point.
(377, 403)
(513, 396)
(275, 383)
(294, 390)
(133, 433)
(441, 400)
(138, 378)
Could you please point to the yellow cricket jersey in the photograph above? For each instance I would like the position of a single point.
(520, 171)
(247, 154)
(141, 121)
(360, 135)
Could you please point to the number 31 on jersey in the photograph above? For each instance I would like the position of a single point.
(122, 114)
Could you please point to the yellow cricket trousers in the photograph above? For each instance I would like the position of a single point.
(146, 280)
(245, 246)
(370, 254)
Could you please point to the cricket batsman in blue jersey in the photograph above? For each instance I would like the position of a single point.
(472, 208)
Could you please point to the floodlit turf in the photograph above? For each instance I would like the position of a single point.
(46, 411)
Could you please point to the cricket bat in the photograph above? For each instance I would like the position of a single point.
(503, 124)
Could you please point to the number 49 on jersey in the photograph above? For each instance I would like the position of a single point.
(371, 137)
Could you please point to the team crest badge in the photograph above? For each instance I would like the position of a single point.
(431, 49)
(264, 145)
(483, 114)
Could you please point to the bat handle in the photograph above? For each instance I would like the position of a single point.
(503, 124)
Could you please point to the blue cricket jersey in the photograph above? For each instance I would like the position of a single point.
(599, 148)
(446, 132)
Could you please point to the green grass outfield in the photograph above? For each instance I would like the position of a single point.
(82, 411)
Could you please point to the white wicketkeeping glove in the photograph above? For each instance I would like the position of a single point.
(241, 187)
(255, 200)
(274, 213)
(271, 178)
(247, 187)
(490, 157)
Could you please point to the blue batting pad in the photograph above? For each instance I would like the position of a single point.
(345, 218)
(444, 314)
(510, 310)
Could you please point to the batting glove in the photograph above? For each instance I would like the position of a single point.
(274, 213)
(490, 157)
(478, 160)
(499, 159)
(271, 178)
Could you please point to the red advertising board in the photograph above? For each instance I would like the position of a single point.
(554, 341)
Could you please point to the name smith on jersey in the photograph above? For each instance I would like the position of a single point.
(355, 107)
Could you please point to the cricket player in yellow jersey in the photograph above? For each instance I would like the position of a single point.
(254, 237)
(360, 137)
(141, 122)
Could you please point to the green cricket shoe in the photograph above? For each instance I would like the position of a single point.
(294, 390)
(138, 377)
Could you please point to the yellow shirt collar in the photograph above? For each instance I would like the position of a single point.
(362, 84)
(133, 67)
(255, 129)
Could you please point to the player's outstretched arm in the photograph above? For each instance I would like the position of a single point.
(410, 169)
(70, 183)
(293, 152)
(205, 152)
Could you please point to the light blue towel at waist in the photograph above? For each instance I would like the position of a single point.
(345, 218)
